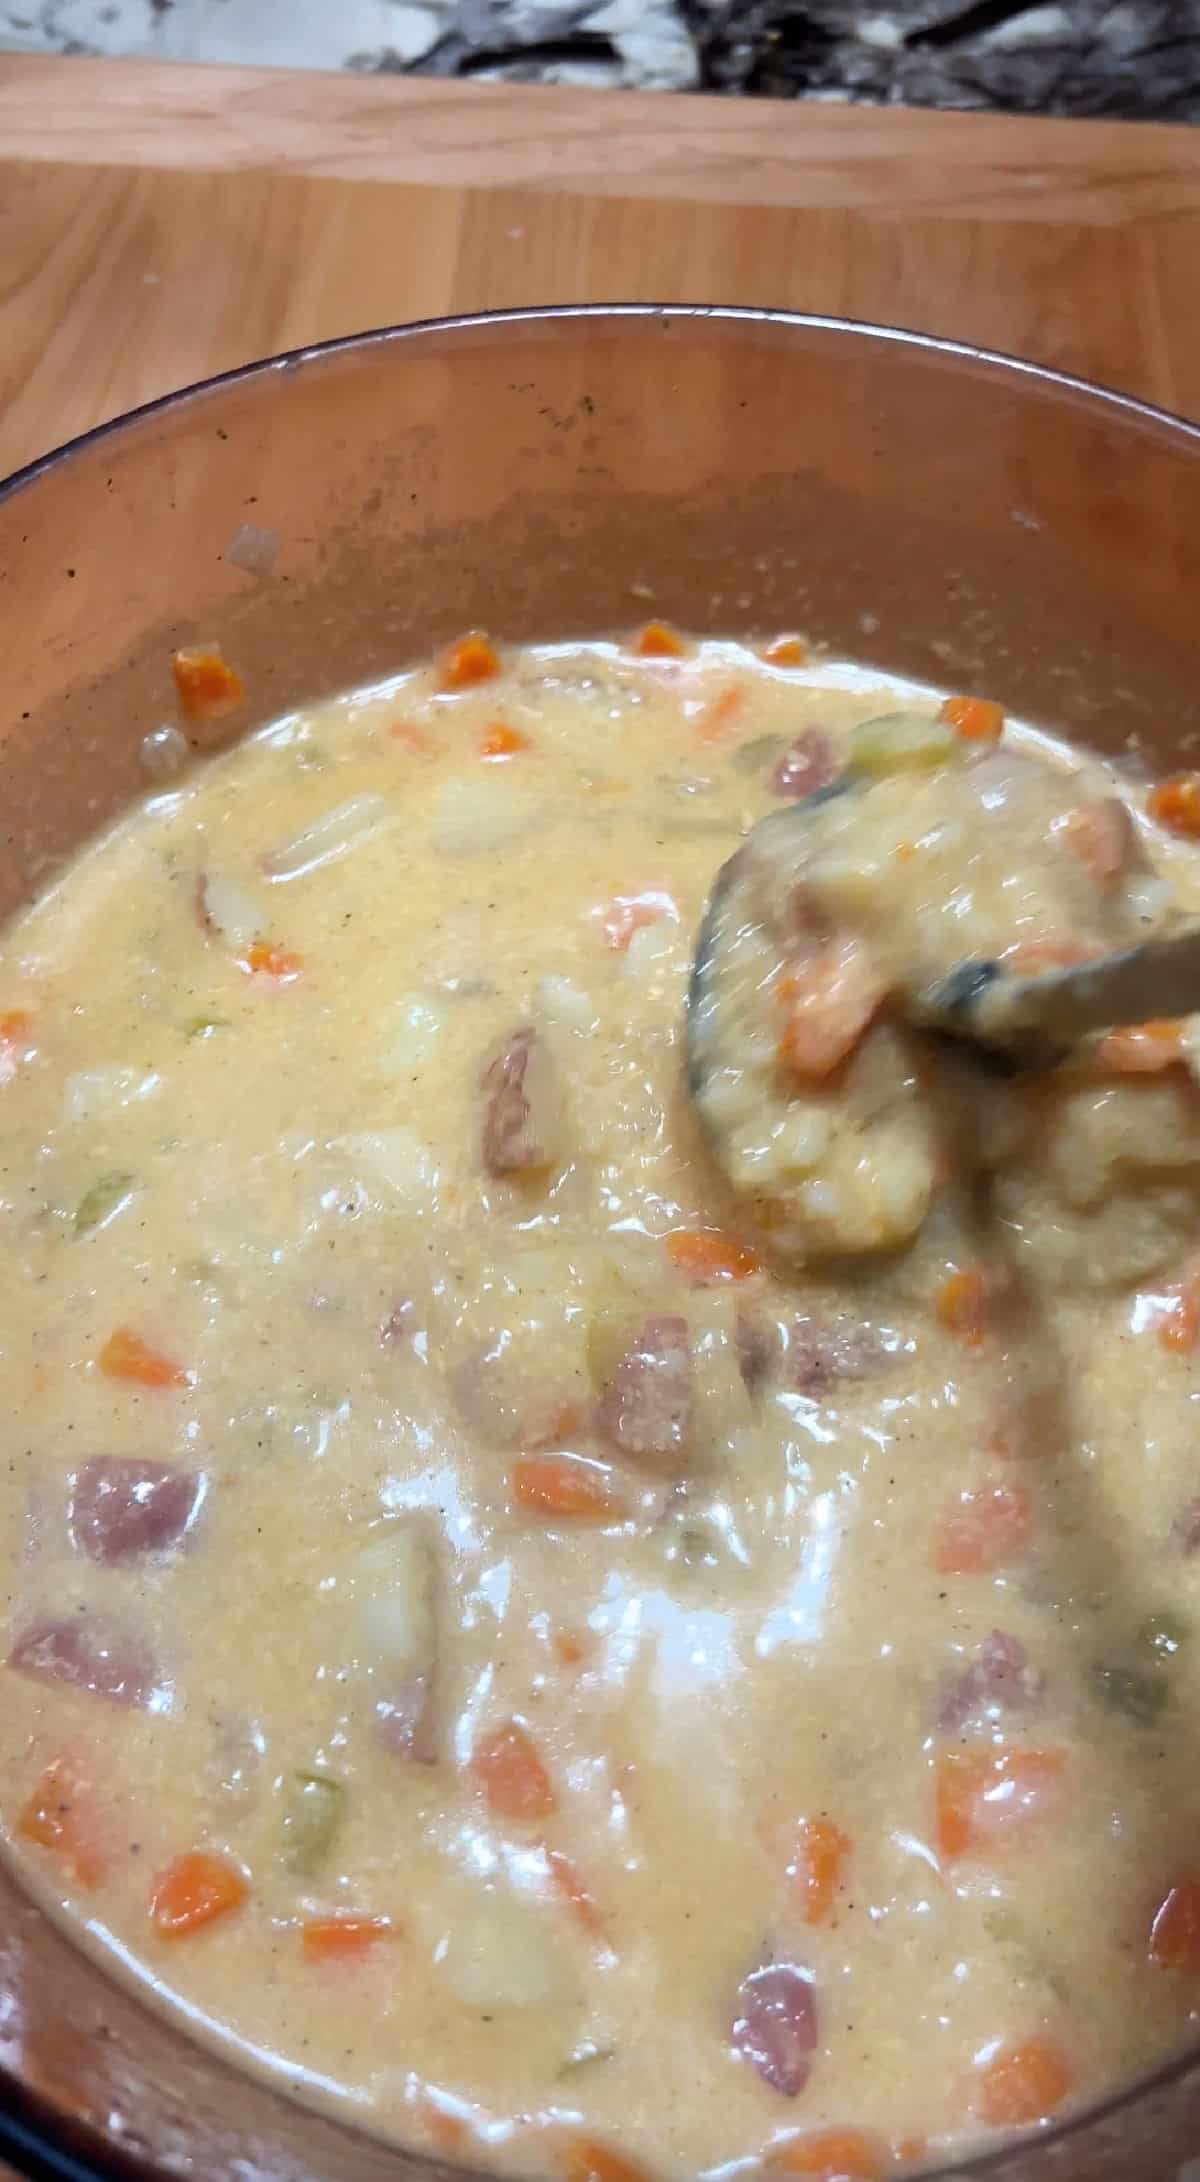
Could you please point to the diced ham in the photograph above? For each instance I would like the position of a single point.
(998, 1682)
(1186, 1528)
(811, 763)
(406, 1722)
(123, 1507)
(522, 1116)
(86, 1656)
(818, 1352)
(775, 2025)
(646, 1407)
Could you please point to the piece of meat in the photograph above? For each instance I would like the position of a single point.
(85, 1655)
(999, 1681)
(406, 1721)
(809, 764)
(522, 1130)
(818, 1352)
(775, 2025)
(646, 1407)
(123, 1507)
(1186, 1528)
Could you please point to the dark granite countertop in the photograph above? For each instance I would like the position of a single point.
(1120, 58)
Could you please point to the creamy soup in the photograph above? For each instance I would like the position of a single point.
(599, 1659)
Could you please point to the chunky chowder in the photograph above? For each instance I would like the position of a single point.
(489, 1635)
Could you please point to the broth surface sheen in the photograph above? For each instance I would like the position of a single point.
(488, 1639)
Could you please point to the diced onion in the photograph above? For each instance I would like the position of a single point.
(396, 1157)
(419, 1025)
(475, 816)
(559, 1000)
(95, 1092)
(229, 909)
(331, 836)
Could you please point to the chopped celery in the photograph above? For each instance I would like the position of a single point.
(1139, 1692)
(103, 1202)
(901, 742)
(313, 1811)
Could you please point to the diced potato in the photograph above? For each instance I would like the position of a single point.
(395, 1596)
(478, 813)
(500, 1953)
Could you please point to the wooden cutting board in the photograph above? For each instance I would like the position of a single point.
(161, 222)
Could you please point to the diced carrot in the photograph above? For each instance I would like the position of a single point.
(561, 1422)
(207, 686)
(411, 737)
(16, 1031)
(718, 719)
(708, 1257)
(657, 641)
(589, 2159)
(573, 1891)
(1178, 1329)
(565, 1485)
(472, 659)
(126, 1356)
(831, 2155)
(265, 959)
(197, 1889)
(1102, 836)
(16, 1027)
(572, 1647)
(818, 1867)
(962, 1305)
(343, 1937)
(1175, 803)
(983, 1529)
(501, 742)
(786, 651)
(830, 1005)
(448, 2131)
(983, 1797)
(1142, 1049)
(627, 913)
(976, 719)
(1024, 2083)
(62, 1815)
(1175, 1928)
(911, 2151)
(512, 1774)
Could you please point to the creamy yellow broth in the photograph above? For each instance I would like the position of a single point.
(745, 1714)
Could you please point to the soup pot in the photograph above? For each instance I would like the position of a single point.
(332, 514)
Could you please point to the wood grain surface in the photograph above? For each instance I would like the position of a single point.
(158, 223)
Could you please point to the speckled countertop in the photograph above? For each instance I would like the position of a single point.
(1134, 58)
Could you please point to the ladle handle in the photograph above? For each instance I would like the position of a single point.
(1159, 978)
